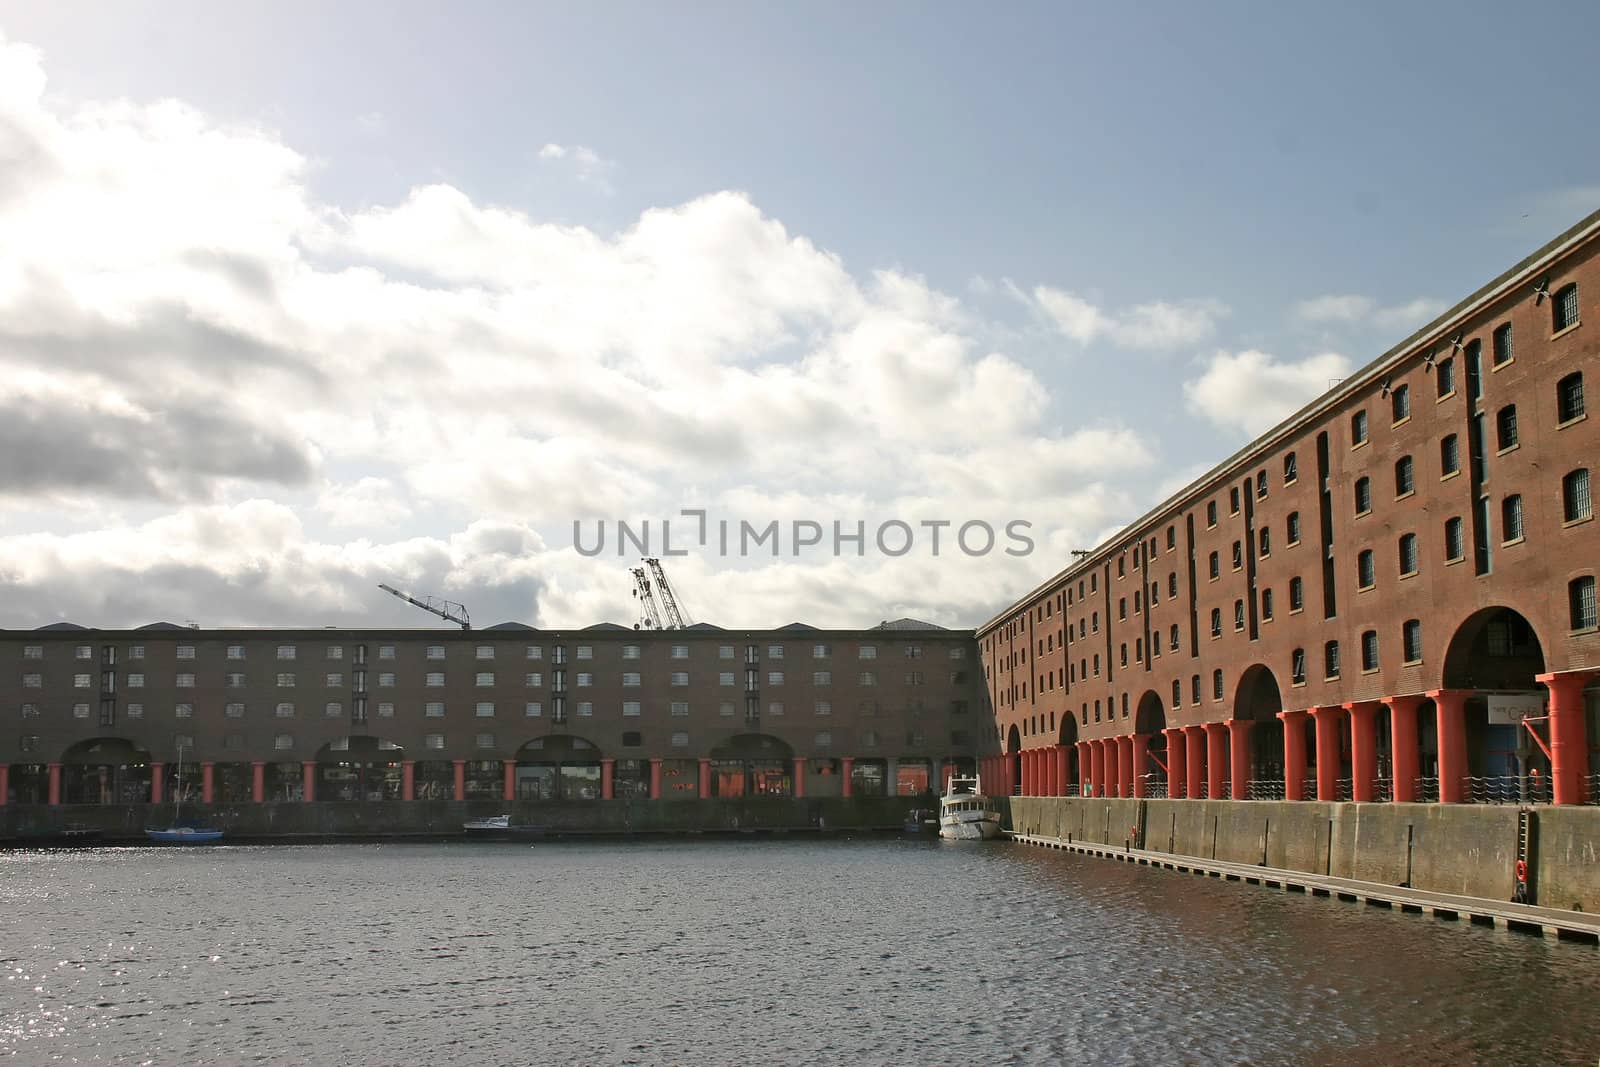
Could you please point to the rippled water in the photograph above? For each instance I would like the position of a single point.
(737, 952)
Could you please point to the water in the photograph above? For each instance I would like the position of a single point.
(741, 952)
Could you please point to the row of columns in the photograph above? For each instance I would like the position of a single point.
(1199, 759)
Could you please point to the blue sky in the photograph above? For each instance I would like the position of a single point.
(1123, 239)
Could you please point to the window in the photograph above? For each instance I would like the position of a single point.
(1124, 653)
(1294, 528)
(1238, 555)
(1297, 667)
(775, 708)
(335, 680)
(867, 652)
(135, 681)
(433, 709)
(1404, 476)
(1449, 455)
(1505, 427)
(283, 742)
(1408, 554)
(1444, 374)
(821, 677)
(484, 709)
(284, 711)
(1575, 500)
(485, 679)
(957, 652)
(1194, 689)
(1211, 513)
(284, 652)
(774, 651)
(915, 677)
(725, 678)
(1502, 344)
(286, 681)
(1475, 367)
(1290, 470)
(1365, 570)
(1238, 614)
(1172, 585)
(333, 709)
(1454, 545)
(1564, 308)
(433, 741)
(1363, 495)
(1172, 531)
(1261, 485)
(680, 740)
(233, 711)
(385, 710)
(1330, 660)
(435, 652)
(1369, 650)
(1216, 622)
(1569, 397)
(80, 711)
(1122, 566)
(1233, 501)
(1177, 694)
(484, 652)
(1400, 400)
(1297, 596)
(236, 652)
(1266, 604)
(187, 652)
(774, 677)
(1511, 517)
(1358, 428)
(1411, 640)
(434, 680)
(534, 652)
(1580, 595)
(1174, 639)
(386, 652)
(1122, 607)
(1216, 566)
(1266, 541)
(534, 709)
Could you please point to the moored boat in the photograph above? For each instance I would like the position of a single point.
(494, 824)
(177, 833)
(965, 814)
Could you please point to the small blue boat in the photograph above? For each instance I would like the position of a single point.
(185, 835)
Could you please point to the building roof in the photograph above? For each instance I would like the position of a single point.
(908, 624)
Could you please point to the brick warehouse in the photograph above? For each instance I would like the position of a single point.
(1390, 595)
(509, 712)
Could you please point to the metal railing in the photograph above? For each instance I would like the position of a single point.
(1506, 789)
(1266, 789)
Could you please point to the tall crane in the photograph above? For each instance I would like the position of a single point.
(669, 603)
(649, 613)
(445, 609)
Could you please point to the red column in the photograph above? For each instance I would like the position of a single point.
(208, 782)
(1216, 759)
(1327, 720)
(1097, 767)
(308, 779)
(508, 789)
(1063, 770)
(1239, 770)
(158, 771)
(1294, 754)
(55, 784)
(408, 779)
(1113, 760)
(1450, 714)
(800, 777)
(461, 778)
(258, 782)
(1569, 747)
(1177, 779)
(1140, 744)
(1363, 750)
(846, 768)
(1194, 741)
(1125, 765)
(655, 779)
(608, 769)
(1403, 746)
(5, 782)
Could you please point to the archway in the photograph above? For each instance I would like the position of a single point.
(1014, 761)
(105, 770)
(1495, 655)
(752, 765)
(1257, 700)
(556, 767)
(1150, 720)
(1068, 738)
(359, 768)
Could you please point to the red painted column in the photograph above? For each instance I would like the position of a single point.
(1031, 777)
(1327, 719)
(1063, 770)
(258, 782)
(1294, 754)
(158, 770)
(705, 777)
(1239, 769)
(408, 779)
(1085, 767)
(608, 770)
(1041, 773)
(655, 779)
(1569, 747)
(308, 779)
(1177, 749)
(1363, 750)
(1140, 743)
(1125, 765)
(1113, 760)
(461, 779)
(508, 788)
(1097, 767)
(5, 783)
(55, 784)
(208, 782)
(1451, 718)
(1194, 742)
(847, 767)
(1216, 759)
(1403, 746)
(800, 777)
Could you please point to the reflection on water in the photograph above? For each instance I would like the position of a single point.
(735, 952)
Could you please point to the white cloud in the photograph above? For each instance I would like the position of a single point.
(1353, 310)
(588, 165)
(1155, 325)
(1253, 391)
(1335, 308)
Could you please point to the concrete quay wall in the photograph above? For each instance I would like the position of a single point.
(1466, 849)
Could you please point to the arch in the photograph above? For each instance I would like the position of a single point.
(752, 765)
(1150, 720)
(1257, 699)
(359, 767)
(1497, 649)
(1013, 783)
(1152, 715)
(105, 770)
(1068, 739)
(551, 767)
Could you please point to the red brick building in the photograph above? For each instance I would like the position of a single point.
(1364, 603)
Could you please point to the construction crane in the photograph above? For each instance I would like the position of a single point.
(669, 603)
(649, 613)
(445, 609)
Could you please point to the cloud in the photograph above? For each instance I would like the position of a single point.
(1253, 391)
(1355, 310)
(1155, 325)
(588, 165)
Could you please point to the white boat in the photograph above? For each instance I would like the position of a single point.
(965, 814)
(177, 833)
(494, 824)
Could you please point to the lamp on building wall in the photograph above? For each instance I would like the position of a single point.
(1427, 360)
(1385, 390)
(1541, 290)
(1455, 342)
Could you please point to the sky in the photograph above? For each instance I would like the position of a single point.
(299, 298)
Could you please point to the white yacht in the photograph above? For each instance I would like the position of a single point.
(965, 814)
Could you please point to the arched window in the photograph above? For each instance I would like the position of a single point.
(1297, 667)
(1363, 495)
(1569, 397)
(1404, 476)
(1580, 594)
(1564, 307)
(1216, 685)
(1575, 500)
(1411, 641)
(1174, 637)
